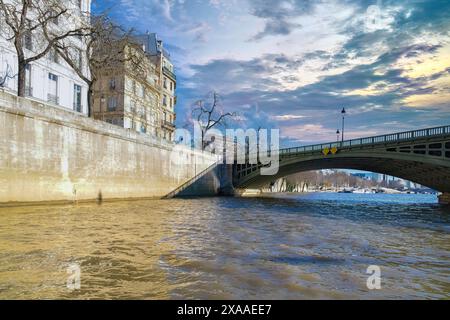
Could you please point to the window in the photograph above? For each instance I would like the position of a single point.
(165, 100)
(117, 122)
(28, 37)
(112, 83)
(79, 59)
(112, 103)
(52, 95)
(53, 56)
(77, 98)
(165, 83)
(132, 106)
(138, 91)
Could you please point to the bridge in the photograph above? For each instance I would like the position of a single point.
(421, 156)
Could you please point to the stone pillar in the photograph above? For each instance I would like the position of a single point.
(226, 180)
(444, 198)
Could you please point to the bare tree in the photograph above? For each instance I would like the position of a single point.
(106, 48)
(34, 28)
(210, 115)
(8, 74)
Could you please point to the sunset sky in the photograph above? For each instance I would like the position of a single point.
(294, 64)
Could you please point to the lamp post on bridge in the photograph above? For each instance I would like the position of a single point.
(343, 112)
(338, 134)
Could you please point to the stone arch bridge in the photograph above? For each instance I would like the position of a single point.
(421, 156)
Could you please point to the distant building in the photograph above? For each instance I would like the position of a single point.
(364, 176)
(376, 177)
(50, 79)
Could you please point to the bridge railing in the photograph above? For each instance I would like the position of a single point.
(388, 138)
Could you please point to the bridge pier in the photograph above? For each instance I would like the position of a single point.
(226, 181)
(444, 198)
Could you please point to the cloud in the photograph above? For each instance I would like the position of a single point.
(288, 117)
(307, 59)
(278, 15)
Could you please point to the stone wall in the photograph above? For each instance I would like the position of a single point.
(50, 154)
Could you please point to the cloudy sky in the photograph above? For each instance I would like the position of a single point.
(293, 64)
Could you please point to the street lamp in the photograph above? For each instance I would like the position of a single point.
(338, 133)
(343, 112)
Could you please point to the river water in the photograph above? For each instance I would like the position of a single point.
(313, 246)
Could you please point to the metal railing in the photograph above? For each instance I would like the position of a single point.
(168, 124)
(169, 73)
(388, 138)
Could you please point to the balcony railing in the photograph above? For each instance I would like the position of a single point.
(168, 124)
(169, 73)
(52, 98)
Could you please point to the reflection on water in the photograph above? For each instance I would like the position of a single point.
(311, 246)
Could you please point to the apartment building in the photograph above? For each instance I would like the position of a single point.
(50, 79)
(154, 48)
(128, 94)
(139, 92)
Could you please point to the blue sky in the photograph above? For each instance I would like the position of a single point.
(294, 64)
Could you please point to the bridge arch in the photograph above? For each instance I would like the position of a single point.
(419, 156)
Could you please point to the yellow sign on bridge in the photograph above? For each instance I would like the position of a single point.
(327, 151)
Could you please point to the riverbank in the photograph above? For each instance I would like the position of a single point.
(52, 155)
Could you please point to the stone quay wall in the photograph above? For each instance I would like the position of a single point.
(52, 154)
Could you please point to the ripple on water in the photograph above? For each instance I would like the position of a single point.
(310, 246)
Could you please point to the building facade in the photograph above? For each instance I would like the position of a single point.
(139, 92)
(154, 48)
(49, 79)
(128, 94)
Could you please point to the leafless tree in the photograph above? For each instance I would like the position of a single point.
(8, 74)
(210, 115)
(106, 46)
(34, 28)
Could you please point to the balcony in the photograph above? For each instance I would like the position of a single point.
(52, 98)
(168, 125)
(169, 73)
